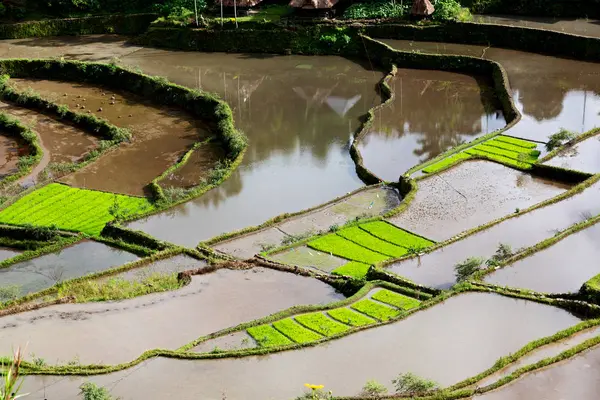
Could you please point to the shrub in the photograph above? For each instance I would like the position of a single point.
(467, 268)
(379, 9)
(451, 10)
(503, 252)
(411, 384)
(557, 139)
(90, 391)
(373, 388)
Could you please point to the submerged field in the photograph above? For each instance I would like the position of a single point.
(163, 241)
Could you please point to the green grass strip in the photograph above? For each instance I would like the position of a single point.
(339, 246)
(349, 317)
(295, 331)
(354, 269)
(512, 147)
(446, 162)
(517, 142)
(375, 310)
(365, 239)
(393, 234)
(321, 323)
(267, 336)
(396, 299)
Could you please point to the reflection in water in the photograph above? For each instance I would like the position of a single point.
(551, 93)
(299, 114)
(432, 112)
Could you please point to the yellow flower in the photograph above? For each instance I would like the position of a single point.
(314, 387)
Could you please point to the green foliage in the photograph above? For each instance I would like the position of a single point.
(349, 317)
(451, 10)
(320, 323)
(376, 9)
(467, 268)
(174, 8)
(362, 237)
(411, 384)
(118, 288)
(392, 234)
(267, 336)
(373, 389)
(71, 208)
(295, 331)
(375, 310)
(503, 252)
(354, 269)
(9, 293)
(90, 391)
(515, 141)
(446, 162)
(559, 138)
(396, 299)
(11, 377)
(339, 246)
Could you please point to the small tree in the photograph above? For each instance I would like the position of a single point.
(412, 384)
(557, 139)
(373, 388)
(91, 391)
(465, 269)
(503, 252)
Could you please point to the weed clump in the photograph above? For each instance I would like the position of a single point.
(559, 138)
(411, 384)
(467, 268)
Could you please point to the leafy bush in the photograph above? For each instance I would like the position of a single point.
(557, 139)
(373, 388)
(169, 8)
(380, 9)
(451, 10)
(411, 384)
(467, 268)
(90, 391)
(503, 252)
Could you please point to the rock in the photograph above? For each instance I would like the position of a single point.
(131, 115)
(82, 107)
(100, 109)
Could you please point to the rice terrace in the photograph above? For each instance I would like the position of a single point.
(254, 199)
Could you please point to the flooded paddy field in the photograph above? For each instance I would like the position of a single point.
(78, 260)
(551, 93)
(447, 343)
(10, 151)
(123, 330)
(161, 135)
(471, 194)
(432, 111)
(560, 268)
(574, 378)
(436, 269)
(584, 156)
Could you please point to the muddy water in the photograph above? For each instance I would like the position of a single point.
(561, 268)
(60, 142)
(583, 27)
(551, 93)
(10, 151)
(471, 194)
(197, 168)
(547, 351)
(121, 331)
(575, 378)
(437, 268)
(447, 343)
(299, 114)
(584, 156)
(161, 135)
(432, 112)
(5, 254)
(171, 265)
(81, 259)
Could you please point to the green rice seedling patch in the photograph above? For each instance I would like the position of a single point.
(393, 234)
(534, 154)
(396, 299)
(267, 336)
(339, 246)
(295, 331)
(321, 323)
(501, 159)
(524, 157)
(353, 268)
(349, 317)
(375, 310)
(72, 209)
(365, 239)
(446, 162)
(517, 142)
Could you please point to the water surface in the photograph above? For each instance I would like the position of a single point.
(584, 156)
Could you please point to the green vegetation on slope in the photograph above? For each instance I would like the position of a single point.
(446, 162)
(396, 299)
(267, 336)
(364, 238)
(353, 268)
(349, 317)
(339, 246)
(319, 322)
(393, 234)
(72, 209)
(295, 331)
(375, 310)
